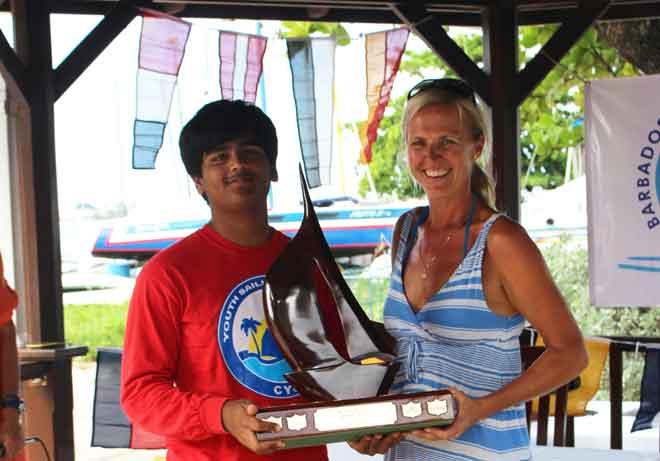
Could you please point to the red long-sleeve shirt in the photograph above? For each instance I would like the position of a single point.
(196, 336)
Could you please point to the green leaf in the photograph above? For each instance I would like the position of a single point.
(305, 29)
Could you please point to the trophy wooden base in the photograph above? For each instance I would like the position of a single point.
(319, 423)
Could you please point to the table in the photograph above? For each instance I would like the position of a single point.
(47, 390)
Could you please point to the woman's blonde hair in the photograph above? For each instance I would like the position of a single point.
(480, 183)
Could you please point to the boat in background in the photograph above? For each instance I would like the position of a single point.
(351, 228)
(549, 214)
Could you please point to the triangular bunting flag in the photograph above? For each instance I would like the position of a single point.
(163, 41)
(383, 56)
(312, 62)
(241, 64)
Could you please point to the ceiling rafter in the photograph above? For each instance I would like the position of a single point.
(92, 46)
(457, 12)
(559, 44)
(11, 66)
(429, 27)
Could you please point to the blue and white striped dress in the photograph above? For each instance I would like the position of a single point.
(456, 341)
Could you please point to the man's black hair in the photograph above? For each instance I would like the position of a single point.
(222, 121)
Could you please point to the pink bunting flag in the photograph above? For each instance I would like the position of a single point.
(241, 65)
(383, 57)
(162, 46)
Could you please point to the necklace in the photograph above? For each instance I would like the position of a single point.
(468, 221)
(427, 265)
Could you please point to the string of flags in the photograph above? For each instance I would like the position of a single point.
(162, 44)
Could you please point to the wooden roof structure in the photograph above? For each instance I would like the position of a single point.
(451, 12)
(34, 86)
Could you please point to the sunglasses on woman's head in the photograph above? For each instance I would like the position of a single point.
(454, 85)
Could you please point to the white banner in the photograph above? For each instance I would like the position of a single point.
(623, 190)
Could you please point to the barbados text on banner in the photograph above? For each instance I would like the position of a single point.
(623, 190)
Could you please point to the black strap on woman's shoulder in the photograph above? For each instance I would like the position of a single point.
(405, 223)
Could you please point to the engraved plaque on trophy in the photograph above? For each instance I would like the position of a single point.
(341, 361)
(328, 422)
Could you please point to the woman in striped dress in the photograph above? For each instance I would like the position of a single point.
(464, 280)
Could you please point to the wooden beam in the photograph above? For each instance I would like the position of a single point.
(24, 222)
(32, 23)
(283, 13)
(41, 247)
(558, 45)
(92, 46)
(634, 11)
(616, 396)
(459, 13)
(430, 30)
(617, 11)
(343, 13)
(11, 67)
(500, 59)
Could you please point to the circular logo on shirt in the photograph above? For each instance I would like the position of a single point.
(248, 347)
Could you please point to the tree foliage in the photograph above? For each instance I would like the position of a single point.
(387, 167)
(568, 264)
(550, 119)
(291, 29)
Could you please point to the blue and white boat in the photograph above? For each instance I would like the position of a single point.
(350, 227)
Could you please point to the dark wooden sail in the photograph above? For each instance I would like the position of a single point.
(335, 350)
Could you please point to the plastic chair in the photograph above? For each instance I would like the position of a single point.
(585, 387)
(110, 426)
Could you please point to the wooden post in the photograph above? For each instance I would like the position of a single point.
(23, 219)
(33, 134)
(501, 60)
(32, 30)
(616, 395)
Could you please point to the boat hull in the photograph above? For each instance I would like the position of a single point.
(348, 232)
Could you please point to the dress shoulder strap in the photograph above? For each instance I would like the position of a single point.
(480, 243)
(408, 231)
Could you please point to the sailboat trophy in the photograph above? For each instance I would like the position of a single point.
(341, 361)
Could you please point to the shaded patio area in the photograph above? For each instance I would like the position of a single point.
(34, 86)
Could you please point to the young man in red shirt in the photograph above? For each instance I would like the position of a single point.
(198, 358)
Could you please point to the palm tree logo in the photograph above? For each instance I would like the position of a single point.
(249, 327)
